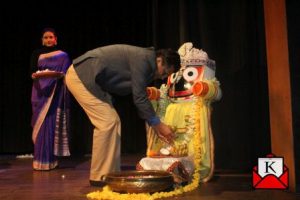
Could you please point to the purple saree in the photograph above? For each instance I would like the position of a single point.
(50, 108)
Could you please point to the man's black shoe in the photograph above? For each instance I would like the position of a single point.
(97, 183)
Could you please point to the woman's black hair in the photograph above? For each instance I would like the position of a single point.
(48, 29)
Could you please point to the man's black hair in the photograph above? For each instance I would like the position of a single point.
(169, 58)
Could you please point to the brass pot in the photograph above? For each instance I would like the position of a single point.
(144, 181)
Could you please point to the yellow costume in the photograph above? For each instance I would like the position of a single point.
(184, 103)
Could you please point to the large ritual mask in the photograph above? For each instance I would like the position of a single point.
(195, 67)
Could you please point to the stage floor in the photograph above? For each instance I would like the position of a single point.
(71, 181)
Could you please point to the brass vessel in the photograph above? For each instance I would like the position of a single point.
(143, 181)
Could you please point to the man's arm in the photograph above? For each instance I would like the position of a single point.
(141, 69)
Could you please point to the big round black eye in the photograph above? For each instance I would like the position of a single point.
(190, 74)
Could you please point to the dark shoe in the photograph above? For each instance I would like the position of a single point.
(97, 183)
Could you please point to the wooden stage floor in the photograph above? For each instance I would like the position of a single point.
(71, 182)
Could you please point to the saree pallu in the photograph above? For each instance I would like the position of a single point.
(50, 113)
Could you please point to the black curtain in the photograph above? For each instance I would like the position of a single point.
(231, 32)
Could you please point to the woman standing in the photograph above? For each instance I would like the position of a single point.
(50, 103)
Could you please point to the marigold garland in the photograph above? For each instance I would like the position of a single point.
(108, 194)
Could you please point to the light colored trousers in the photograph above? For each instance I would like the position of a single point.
(107, 128)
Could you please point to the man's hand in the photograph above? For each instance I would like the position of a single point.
(164, 132)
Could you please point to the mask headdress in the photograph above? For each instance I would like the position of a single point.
(191, 56)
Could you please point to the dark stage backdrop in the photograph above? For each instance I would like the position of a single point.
(231, 32)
